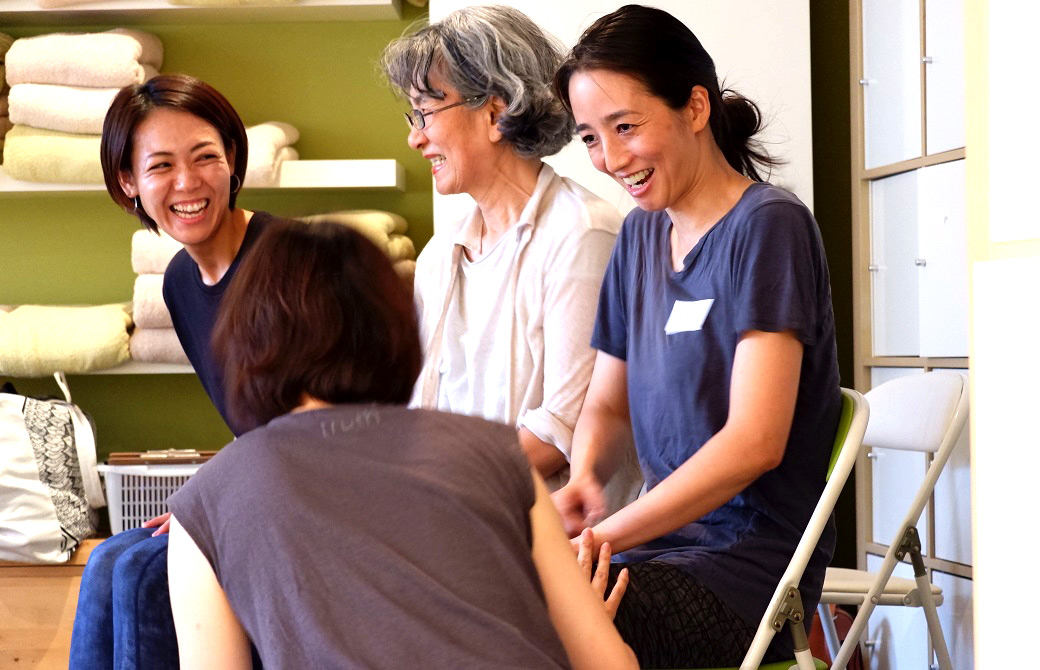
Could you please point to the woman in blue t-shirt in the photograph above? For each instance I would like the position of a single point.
(716, 349)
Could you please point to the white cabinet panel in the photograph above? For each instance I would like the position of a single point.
(944, 75)
(953, 504)
(894, 277)
(943, 260)
(899, 635)
(955, 617)
(892, 77)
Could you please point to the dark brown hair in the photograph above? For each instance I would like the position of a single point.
(180, 92)
(661, 53)
(315, 308)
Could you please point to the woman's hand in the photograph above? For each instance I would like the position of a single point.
(162, 521)
(599, 580)
(580, 504)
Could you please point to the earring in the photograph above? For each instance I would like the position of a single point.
(138, 207)
(236, 183)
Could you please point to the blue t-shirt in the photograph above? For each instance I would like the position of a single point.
(761, 267)
(193, 307)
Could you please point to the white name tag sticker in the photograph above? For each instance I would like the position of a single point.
(687, 315)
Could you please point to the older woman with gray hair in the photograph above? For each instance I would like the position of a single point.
(508, 295)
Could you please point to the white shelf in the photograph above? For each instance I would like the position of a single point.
(27, 12)
(141, 368)
(385, 174)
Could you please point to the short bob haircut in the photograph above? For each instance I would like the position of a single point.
(489, 50)
(316, 309)
(660, 52)
(179, 92)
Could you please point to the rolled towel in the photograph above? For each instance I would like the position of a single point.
(150, 309)
(374, 224)
(115, 58)
(400, 248)
(151, 253)
(70, 109)
(266, 144)
(37, 341)
(35, 154)
(157, 345)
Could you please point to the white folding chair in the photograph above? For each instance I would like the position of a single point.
(785, 607)
(926, 413)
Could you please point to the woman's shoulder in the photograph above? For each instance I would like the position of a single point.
(763, 197)
(571, 208)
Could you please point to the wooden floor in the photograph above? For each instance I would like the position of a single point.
(37, 607)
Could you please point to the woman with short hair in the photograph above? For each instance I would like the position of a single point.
(507, 296)
(367, 535)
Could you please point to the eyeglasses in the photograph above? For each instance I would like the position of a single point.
(417, 118)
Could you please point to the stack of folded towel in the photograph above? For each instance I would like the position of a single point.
(62, 84)
(37, 341)
(385, 229)
(269, 145)
(5, 122)
(153, 339)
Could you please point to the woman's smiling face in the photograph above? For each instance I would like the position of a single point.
(634, 137)
(182, 173)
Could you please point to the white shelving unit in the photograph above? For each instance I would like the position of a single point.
(383, 174)
(27, 12)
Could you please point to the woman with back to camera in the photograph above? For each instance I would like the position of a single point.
(716, 346)
(507, 296)
(173, 152)
(452, 539)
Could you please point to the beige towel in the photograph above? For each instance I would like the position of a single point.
(115, 58)
(406, 270)
(34, 154)
(157, 345)
(151, 253)
(374, 224)
(150, 309)
(400, 248)
(70, 109)
(267, 142)
(37, 341)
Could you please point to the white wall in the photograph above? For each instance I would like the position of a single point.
(760, 48)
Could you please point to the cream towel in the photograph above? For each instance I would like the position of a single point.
(374, 224)
(151, 253)
(157, 345)
(110, 59)
(37, 341)
(266, 144)
(70, 109)
(400, 248)
(34, 154)
(149, 307)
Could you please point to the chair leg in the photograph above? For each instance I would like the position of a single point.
(855, 634)
(931, 614)
(830, 631)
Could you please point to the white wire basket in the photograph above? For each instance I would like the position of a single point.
(137, 493)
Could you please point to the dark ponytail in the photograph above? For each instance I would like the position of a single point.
(663, 54)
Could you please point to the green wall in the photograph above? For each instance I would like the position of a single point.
(75, 248)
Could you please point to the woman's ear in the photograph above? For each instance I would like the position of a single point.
(494, 108)
(699, 108)
(126, 182)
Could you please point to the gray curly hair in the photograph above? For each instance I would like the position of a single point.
(489, 50)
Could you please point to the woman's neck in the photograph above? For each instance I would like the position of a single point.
(508, 191)
(215, 255)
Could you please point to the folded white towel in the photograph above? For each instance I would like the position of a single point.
(157, 345)
(151, 253)
(266, 144)
(115, 58)
(70, 109)
(400, 248)
(150, 309)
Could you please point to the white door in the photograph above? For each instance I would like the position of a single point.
(944, 74)
(942, 260)
(952, 499)
(897, 637)
(955, 617)
(891, 81)
(894, 277)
